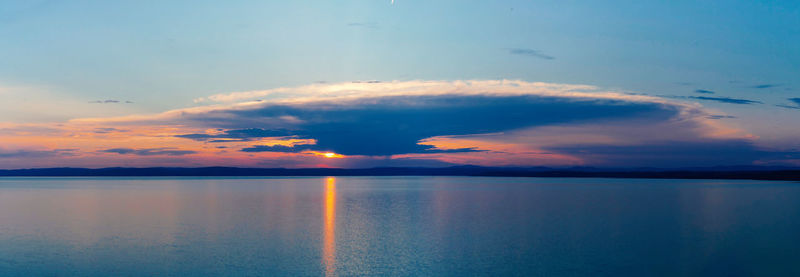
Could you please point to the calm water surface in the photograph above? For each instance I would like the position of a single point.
(429, 226)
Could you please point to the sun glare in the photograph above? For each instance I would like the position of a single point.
(329, 155)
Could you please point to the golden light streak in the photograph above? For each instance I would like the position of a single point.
(329, 234)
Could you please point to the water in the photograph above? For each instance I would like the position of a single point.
(429, 226)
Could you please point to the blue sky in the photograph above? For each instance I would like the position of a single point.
(58, 56)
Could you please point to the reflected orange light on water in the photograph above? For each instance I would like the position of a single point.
(329, 234)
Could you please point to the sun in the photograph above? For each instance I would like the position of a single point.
(329, 155)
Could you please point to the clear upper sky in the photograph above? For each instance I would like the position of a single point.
(740, 60)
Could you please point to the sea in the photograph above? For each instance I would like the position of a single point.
(397, 226)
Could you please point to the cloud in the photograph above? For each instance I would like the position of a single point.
(28, 130)
(719, 116)
(788, 107)
(23, 153)
(530, 53)
(107, 130)
(240, 134)
(109, 101)
(674, 153)
(394, 125)
(149, 152)
(274, 148)
(455, 150)
(388, 121)
(573, 144)
(795, 106)
(361, 89)
(727, 100)
(764, 86)
(704, 91)
(313, 148)
(496, 122)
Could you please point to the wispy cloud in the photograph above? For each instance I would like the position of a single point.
(24, 153)
(242, 134)
(110, 101)
(764, 86)
(363, 89)
(796, 105)
(107, 130)
(716, 116)
(530, 53)
(704, 91)
(149, 152)
(727, 100)
(274, 148)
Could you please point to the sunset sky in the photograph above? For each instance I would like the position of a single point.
(411, 83)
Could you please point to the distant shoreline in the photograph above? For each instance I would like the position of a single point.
(730, 173)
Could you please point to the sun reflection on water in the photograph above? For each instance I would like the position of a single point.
(329, 235)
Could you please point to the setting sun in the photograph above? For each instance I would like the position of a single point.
(330, 155)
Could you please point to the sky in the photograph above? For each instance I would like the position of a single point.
(410, 83)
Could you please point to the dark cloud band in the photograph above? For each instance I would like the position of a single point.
(394, 125)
